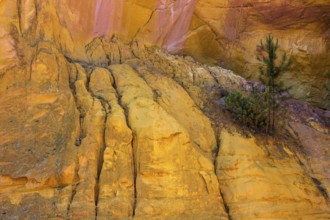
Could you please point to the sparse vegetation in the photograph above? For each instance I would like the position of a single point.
(269, 72)
(249, 111)
(258, 110)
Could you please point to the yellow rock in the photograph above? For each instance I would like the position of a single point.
(116, 181)
(239, 25)
(258, 185)
(212, 31)
(178, 103)
(315, 145)
(202, 42)
(169, 180)
(84, 137)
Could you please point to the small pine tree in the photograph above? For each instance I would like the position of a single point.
(266, 53)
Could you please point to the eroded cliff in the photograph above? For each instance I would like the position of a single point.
(132, 140)
(97, 128)
(224, 33)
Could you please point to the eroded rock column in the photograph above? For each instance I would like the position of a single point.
(173, 179)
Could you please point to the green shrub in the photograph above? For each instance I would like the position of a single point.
(258, 109)
(249, 111)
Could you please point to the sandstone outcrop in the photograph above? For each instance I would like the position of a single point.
(216, 32)
(302, 28)
(142, 139)
(92, 127)
(247, 169)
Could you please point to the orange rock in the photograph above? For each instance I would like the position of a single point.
(96, 128)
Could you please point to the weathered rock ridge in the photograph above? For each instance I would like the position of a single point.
(212, 31)
(133, 134)
(97, 128)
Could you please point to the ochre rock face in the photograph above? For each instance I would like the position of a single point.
(130, 141)
(99, 128)
(217, 32)
(240, 155)
(302, 28)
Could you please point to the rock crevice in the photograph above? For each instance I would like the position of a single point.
(144, 138)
